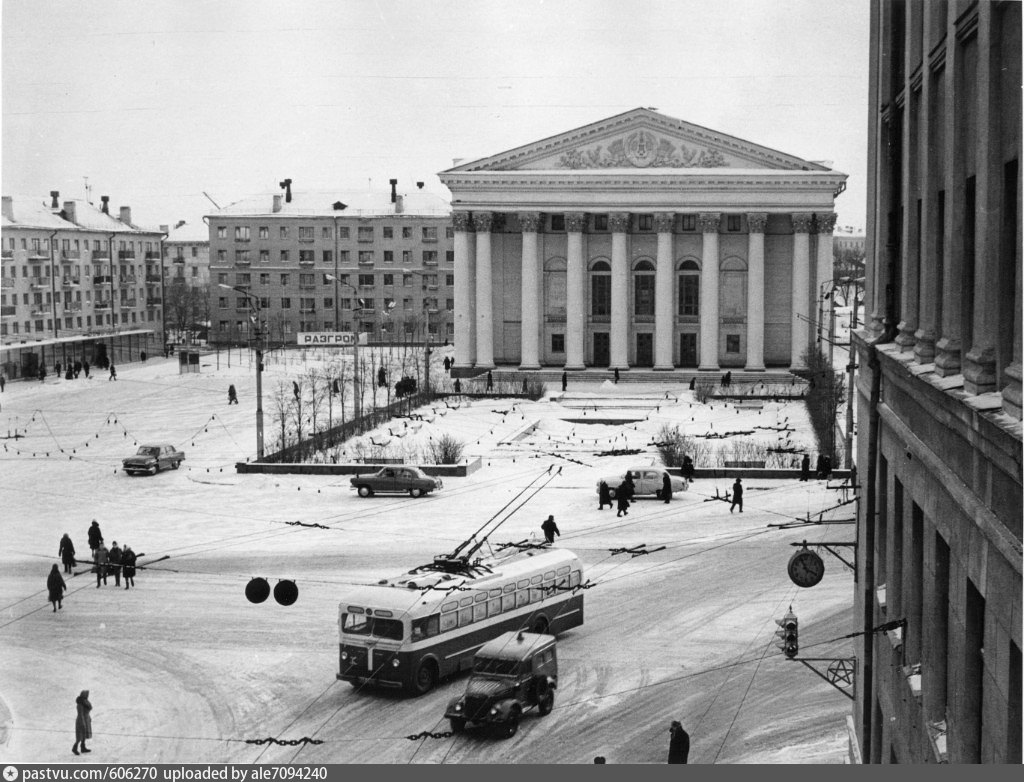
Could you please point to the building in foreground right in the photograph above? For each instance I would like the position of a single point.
(939, 389)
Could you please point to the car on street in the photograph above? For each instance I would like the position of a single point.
(396, 480)
(512, 673)
(647, 482)
(153, 458)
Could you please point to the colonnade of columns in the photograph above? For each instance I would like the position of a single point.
(474, 317)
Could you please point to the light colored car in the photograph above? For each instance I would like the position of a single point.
(153, 458)
(396, 479)
(647, 482)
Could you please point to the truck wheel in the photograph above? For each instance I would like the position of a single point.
(511, 726)
(175, 464)
(426, 677)
(415, 492)
(458, 724)
(547, 704)
(365, 491)
(154, 470)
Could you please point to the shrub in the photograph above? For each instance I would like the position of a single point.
(703, 388)
(445, 450)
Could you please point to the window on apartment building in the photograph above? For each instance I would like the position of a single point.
(286, 303)
(600, 222)
(343, 279)
(222, 233)
(264, 256)
(222, 256)
(389, 256)
(242, 256)
(222, 302)
(328, 256)
(195, 271)
(307, 256)
(264, 278)
(406, 256)
(449, 256)
(430, 233)
(406, 280)
(307, 303)
(366, 280)
(407, 232)
(343, 257)
(306, 233)
(325, 232)
(388, 232)
(365, 233)
(557, 222)
(241, 233)
(307, 280)
(406, 304)
(389, 279)
(449, 279)
(366, 256)
(284, 256)
(243, 279)
(449, 304)
(343, 232)
(264, 232)
(430, 256)
(264, 302)
(449, 232)
(345, 304)
(328, 302)
(222, 279)
(284, 279)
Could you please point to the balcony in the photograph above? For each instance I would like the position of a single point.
(154, 279)
(70, 255)
(246, 262)
(70, 282)
(152, 255)
(366, 262)
(129, 279)
(101, 305)
(129, 304)
(102, 279)
(101, 255)
(178, 259)
(153, 301)
(8, 310)
(7, 254)
(126, 255)
(38, 255)
(40, 310)
(307, 310)
(72, 306)
(430, 262)
(40, 282)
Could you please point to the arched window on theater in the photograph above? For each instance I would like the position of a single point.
(643, 290)
(688, 280)
(600, 290)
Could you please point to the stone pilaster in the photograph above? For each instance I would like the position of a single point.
(801, 319)
(619, 225)
(531, 296)
(484, 307)
(708, 223)
(664, 287)
(756, 223)
(575, 310)
(910, 249)
(465, 280)
(824, 274)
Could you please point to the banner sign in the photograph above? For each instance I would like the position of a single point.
(329, 339)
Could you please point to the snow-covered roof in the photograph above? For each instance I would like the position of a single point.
(321, 204)
(192, 233)
(33, 213)
(29, 212)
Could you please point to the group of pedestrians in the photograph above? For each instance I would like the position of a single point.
(822, 468)
(116, 561)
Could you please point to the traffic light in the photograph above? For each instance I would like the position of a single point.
(787, 632)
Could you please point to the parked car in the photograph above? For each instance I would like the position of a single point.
(396, 479)
(515, 672)
(646, 480)
(153, 458)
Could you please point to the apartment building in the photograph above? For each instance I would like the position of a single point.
(375, 262)
(187, 254)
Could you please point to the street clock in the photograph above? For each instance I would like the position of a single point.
(806, 568)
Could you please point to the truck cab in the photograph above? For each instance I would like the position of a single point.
(513, 673)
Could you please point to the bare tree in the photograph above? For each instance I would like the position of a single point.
(313, 380)
(281, 403)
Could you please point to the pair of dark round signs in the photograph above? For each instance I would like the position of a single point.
(258, 590)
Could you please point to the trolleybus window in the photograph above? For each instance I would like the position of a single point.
(360, 624)
(426, 627)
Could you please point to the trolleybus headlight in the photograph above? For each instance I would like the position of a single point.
(394, 663)
(344, 655)
(458, 707)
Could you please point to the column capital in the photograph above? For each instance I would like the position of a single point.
(529, 221)
(664, 221)
(575, 222)
(708, 222)
(802, 222)
(826, 222)
(482, 221)
(461, 221)
(756, 222)
(618, 222)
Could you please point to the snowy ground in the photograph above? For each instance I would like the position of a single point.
(184, 669)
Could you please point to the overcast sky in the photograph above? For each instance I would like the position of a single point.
(158, 101)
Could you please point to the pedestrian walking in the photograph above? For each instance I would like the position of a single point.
(630, 486)
(113, 372)
(128, 560)
(114, 568)
(295, 389)
(666, 488)
(78, 369)
(622, 500)
(737, 495)
(83, 722)
(232, 395)
(66, 552)
(95, 536)
(687, 468)
(805, 467)
(604, 496)
(3, 382)
(458, 386)
(100, 559)
(826, 462)
(728, 379)
(819, 467)
(85, 368)
(69, 373)
(490, 381)
(42, 374)
(616, 375)
(550, 529)
(678, 743)
(565, 381)
(56, 370)
(693, 383)
(55, 586)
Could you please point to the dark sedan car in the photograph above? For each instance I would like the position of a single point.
(396, 479)
(153, 458)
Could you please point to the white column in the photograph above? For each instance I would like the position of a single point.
(825, 272)
(801, 320)
(484, 314)
(664, 286)
(529, 357)
(465, 331)
(575, 310)
(708, 224)
(619, 225)
(756, 223)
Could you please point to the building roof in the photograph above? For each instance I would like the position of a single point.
(192, 233)
(321, 204)
(29, 212)
(33, 213)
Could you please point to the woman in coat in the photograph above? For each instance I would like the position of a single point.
(83, 724)
(56, 586)
(66, 552)
(622, 500)
(95, 536)
(128, 559)
(666, 488)
(604, 496)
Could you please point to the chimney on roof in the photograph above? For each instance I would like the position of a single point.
(394, 192)
(69, 212)
(8, 209)
(106, 206)
(54, 194)
(165, 229)
(126, 215)
(419, 185)
(287, 185)
(399, 205)
(277, 202)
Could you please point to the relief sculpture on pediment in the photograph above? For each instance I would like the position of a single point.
(642, 149)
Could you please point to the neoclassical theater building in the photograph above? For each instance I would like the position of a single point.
(641, 241)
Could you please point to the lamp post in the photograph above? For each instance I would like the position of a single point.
(426, 342)
(356, 404)
(254, 309)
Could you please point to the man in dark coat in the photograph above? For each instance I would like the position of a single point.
(678, 743)
(622, 500)
(565, 380)
(687, 468)
(666, 488)
(83, 722)
(458, 386)
(604, 496)
(232, 395)
(819, 466)
(490, 381)
(550, 529)
(616, 375)
(114, 569)
(128, 559)
(78, 369)
(66, 552)
(737, 495)
(630, 487)
(95, 536)
(100, 559)
(85, 368)
(55, 586)
(805, 467)
(113, 372)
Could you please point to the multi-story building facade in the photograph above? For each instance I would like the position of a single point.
(368, 262)
(72, 270)
(187, 254)
(939, 543)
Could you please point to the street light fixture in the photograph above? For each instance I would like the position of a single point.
(254, 308)
(356, 404)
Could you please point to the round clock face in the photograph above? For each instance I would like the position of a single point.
(806, 568)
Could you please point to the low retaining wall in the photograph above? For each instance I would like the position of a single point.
(439, 470)
(755, 473)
